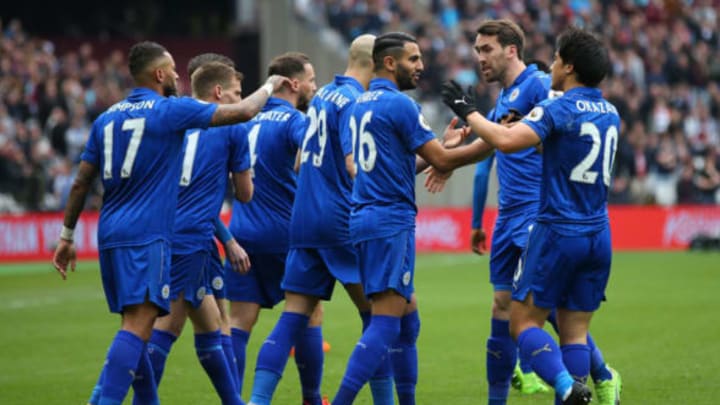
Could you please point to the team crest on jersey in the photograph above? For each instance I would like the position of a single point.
(423, 122)
(406, 278)
(514, 94)
(200, 293)
(217, 283)
(535, 114)
(165, 291)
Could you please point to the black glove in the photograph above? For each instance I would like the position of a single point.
(460, 101)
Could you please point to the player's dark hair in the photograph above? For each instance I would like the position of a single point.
(392, 44)
(289, 64)
(210, 74)
(507, 33)
(204, 58)
(142, 55)
(586, 53)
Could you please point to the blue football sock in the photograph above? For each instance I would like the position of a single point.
(576, 358)
(501, 357)
(546, 359)
(208, 347)
(230, 359)
(159, 348)
(381, 383)
(598, 369)
(403, 354)
(274, 353)
(309, 359)
(97, 389)
(239, 345)
(370, 351)
(144, 387)
(122, 361)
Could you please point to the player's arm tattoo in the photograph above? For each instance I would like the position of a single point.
(81, 186)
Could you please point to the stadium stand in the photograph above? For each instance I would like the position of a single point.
(665, 82)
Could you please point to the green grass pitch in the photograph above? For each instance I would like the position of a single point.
(660, 328)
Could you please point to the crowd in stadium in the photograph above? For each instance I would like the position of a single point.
(665, 83)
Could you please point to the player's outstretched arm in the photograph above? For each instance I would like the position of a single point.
(446, 160)
(227, 114)
(507, 140)
(65, 251)
(452, 138)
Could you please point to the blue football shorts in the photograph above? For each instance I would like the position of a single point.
(508, 242)
(131, 273)
(564, 271)
(261, 284)
(216, 275)
(189, 274)
(313, 271)
(388, 264)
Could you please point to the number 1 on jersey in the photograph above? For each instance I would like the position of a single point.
(252, 143)
(189, 158)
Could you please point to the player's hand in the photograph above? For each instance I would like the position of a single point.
(477, 241)
(454, 137)
(460, 101)
(277, 81)
(435, 180)
(64, 255)
(239, 259)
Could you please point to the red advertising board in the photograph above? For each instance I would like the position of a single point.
(33, 236)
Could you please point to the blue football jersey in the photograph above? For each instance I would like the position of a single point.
(387, 128)
(274, 136)
(136, 146)
(208, 156)
(519, 173)
(321, 212)
(579, 131)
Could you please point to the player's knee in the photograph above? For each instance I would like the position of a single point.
(317, 316)
(243, 321)
(174, 325)
(501, 305)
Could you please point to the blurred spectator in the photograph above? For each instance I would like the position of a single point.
(664, 79)
(665, 82)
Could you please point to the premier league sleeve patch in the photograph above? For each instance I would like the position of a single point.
(535, 114)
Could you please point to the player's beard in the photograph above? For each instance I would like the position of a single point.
(303, 103)
(169, 89)
(404, 78)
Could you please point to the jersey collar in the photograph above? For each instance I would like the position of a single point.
(589, 92)
(143, 93)
(277, 102)
(529, 70)
(341, 80)
(382, 83)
